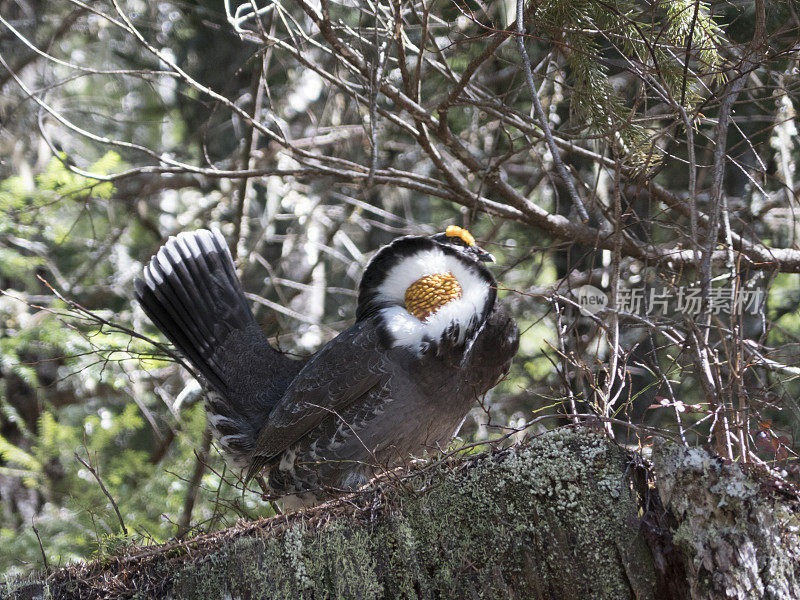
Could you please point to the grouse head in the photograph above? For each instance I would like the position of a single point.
(428, 290)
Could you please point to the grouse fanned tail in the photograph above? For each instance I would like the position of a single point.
(192, 294)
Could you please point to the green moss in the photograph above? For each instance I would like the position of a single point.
(554, 519)
(551, 519)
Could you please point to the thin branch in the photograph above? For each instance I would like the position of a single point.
(41, 546)
(201, 458)
(542, 118)
(96, 475)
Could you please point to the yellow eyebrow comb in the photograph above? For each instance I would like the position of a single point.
(460, 232)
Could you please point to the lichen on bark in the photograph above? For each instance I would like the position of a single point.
(568, 516)
(739, 541)
(554, 519)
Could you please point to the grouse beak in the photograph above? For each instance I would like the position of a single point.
(481, 254)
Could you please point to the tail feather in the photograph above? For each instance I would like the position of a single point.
(192, 294)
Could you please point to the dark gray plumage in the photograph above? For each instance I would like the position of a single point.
(387, 388)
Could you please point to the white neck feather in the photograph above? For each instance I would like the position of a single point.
(406, 329)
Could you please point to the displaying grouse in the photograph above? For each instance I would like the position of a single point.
(429, 339)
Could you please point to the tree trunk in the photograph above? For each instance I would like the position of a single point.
(568, 516)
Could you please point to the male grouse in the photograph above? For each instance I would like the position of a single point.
(429, 339)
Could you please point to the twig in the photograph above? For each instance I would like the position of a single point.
(240, 228)
(64, 27)
(543, 122)
(96, 475)
(41, 546)
(201, 457)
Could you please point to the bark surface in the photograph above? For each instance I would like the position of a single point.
(567, 516)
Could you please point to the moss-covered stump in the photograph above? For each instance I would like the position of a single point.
(552, 519)
(568, 516)
(738, 539)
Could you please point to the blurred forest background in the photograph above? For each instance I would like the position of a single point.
(629, 145)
